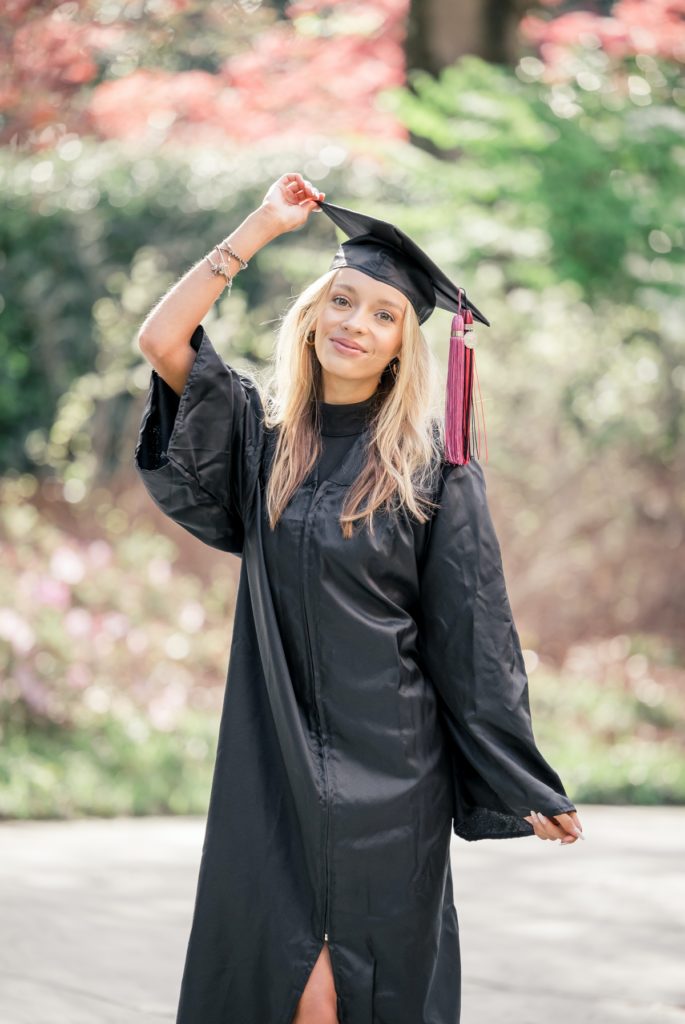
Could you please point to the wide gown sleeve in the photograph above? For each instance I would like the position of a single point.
(472, 654)
(198, 453)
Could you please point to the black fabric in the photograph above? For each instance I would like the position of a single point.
(386, 253)
(376, 701)
(339, 424)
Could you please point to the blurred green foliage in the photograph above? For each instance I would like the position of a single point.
(606, 748)
(595, 166)
(613, 741)
(108, 768)
(570, 196)
(91, 236)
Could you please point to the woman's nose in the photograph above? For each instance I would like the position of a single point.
(354, 322)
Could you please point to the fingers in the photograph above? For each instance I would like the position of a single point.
(571, 824)
(550, 827)
(299, 190)
(564, 827)
(538, 827)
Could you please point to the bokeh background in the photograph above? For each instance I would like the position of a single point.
(536, 150)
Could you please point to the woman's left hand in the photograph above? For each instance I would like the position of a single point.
(561, 826)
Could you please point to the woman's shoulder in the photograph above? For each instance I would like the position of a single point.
(440, 465)
(453, 484)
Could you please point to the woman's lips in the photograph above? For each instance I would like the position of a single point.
(348, 349)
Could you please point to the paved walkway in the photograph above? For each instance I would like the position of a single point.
(95, 915)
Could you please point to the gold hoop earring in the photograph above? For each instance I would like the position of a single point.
(309, 340)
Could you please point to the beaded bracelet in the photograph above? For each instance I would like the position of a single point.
(221, 267)
(226, 247)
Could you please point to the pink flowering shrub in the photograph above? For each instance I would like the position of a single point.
(318, 67)
(651, 28)
(105, 626)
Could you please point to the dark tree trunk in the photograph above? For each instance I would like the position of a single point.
(441, 31)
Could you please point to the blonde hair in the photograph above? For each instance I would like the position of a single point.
(405, 438)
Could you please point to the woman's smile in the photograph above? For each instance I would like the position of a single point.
(346, 345)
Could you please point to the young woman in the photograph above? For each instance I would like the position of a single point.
(376, 698)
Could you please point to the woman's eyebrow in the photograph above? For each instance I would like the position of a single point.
(380, 302)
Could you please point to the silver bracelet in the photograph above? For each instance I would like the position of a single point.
(226, 248)
(220, 268)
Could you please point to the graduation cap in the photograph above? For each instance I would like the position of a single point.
(387, 254)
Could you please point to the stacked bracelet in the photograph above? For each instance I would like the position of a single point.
(226, 247)
(222, 267)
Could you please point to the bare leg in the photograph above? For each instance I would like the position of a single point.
(317, 1003)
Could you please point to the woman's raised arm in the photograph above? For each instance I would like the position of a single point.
(164, 337)
(201, 432)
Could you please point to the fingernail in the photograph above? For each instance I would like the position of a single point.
(578, 832)
(541, 816)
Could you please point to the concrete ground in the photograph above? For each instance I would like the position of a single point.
(95, 916)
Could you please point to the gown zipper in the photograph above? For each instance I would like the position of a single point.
(318, 490)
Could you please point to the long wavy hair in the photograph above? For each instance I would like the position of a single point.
(405, 438)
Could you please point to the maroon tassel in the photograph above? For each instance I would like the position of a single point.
(462, 422)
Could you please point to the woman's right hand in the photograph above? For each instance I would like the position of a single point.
(290, 200)
(565, 827)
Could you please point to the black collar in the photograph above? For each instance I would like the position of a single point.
(344, 419)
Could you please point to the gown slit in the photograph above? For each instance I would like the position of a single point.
(292, 1010)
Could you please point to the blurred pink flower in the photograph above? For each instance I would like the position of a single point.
(191, 617)
(33, 691)
(78, 622)
(159, 571)
(115, 624)
(67, 564)
(51, 592)
(78, 676)
(125, 107)
(16, 630)
(137, 641)
(99, 554)
(54, 50)
(165, 709)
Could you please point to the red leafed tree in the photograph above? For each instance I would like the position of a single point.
(195, 71)
(46, 60)
(655, 28)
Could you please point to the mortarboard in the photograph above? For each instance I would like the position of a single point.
(387, 254)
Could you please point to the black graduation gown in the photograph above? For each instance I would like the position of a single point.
(376, 699)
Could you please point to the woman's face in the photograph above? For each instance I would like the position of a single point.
(358, 332)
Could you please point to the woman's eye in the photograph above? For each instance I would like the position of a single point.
(388, 317)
